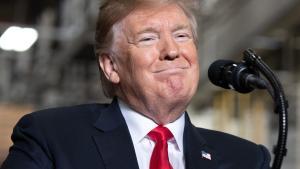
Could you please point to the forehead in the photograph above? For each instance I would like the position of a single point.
(170, 15)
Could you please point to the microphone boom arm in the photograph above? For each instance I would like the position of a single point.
(276, 91)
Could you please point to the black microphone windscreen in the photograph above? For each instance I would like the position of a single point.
(216, 72)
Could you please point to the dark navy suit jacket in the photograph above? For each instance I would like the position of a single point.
(95, 136)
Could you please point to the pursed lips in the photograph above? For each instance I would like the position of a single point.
(172, 69)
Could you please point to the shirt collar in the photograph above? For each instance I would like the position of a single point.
(139, 125)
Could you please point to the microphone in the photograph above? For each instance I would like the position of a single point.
(237, 76)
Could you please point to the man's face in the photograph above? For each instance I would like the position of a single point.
(156, 57)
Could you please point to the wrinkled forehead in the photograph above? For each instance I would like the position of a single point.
(170, 15)
(154, 11)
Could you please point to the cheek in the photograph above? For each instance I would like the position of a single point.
(189, 52)
(143, 58)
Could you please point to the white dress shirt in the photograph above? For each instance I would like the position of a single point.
(139, 126)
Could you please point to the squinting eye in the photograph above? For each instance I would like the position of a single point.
(182, 37)
(147, 41)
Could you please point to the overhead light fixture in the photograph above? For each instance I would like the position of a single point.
(18, 39)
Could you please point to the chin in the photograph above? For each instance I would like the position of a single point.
(180, 97)
(182, 91)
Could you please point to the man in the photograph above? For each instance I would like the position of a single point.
(149, 65)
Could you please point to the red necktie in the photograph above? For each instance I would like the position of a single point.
(159, 158)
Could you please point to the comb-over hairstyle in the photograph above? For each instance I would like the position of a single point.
(113, 11)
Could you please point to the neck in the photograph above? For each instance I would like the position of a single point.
(159, 111)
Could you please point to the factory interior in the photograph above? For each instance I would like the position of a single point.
(59, 68)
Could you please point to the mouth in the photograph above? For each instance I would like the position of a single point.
(171, 70)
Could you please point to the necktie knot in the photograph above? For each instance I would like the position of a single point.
(160, 133)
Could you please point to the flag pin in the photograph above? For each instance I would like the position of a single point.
(206, 155)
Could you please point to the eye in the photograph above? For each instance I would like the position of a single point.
(147, 40)
(182, 37)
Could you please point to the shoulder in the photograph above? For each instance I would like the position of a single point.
(70, 112)
(67, 110)
(58, 125)
(61, 118)
(41, 136)
(233, 148)
(219, 138)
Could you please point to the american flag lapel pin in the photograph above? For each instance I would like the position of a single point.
(206, 155)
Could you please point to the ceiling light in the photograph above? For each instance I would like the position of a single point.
(18, 39)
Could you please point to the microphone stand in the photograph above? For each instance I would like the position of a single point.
(281, 104)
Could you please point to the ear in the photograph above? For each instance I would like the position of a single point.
(109, 68)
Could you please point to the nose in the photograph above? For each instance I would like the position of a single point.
(169, 49)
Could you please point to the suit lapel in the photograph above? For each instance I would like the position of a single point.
(116, 148)
(198, 154)
(113, 141)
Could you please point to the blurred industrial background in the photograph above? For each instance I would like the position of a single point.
(59, 68)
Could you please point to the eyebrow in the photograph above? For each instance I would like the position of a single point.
(147, 30)
(180, 27)
(153, 29)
